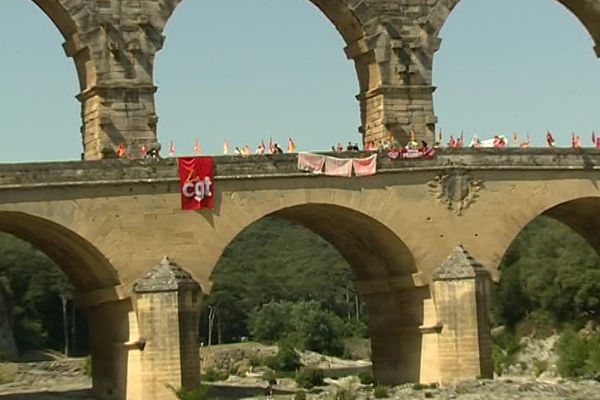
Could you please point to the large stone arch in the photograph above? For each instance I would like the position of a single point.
(355, 24)
(581, 214)
(586, 11)
(387, 278)
(90, 272)
(579, 211)
(85, 266)
(61, 18)
(71, 18)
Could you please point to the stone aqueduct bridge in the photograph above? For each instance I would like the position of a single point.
(107, 223)
(391, 43)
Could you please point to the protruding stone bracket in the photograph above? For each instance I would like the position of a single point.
(357, 49)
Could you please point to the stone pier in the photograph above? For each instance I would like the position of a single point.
(168, 303)
(462, 295)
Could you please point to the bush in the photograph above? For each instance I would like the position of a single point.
(539, 366)
(87, 366)
(212, 375)
(305, 324)
(578, 356)
(256, 361)
(367, 378)
(200, 393)
(593, 361)
(300, 396)
(381, 392)
(505, 348)
(357, 328)
(539, 324)
(344, 394)
(309, 377)
(270, 377)
(286, 359)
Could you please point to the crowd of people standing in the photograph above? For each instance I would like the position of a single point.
(152, 152)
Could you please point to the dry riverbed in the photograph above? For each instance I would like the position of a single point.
(66, 380)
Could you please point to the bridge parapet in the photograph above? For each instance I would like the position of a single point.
(111, 172)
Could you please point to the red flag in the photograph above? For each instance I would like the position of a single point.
(549, 139)
(291, 146)
(196, 179)
(271, 146)
(121, 150)
(226, 147)
(196, 147)
(171, 149)
(452, 142)
(263, 147)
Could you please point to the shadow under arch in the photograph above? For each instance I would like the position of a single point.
(586, 11)
(83, 264)
(88, 270)
(384, 267)
(582, 215)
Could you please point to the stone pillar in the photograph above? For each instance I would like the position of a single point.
(114, 115)
(395, 111)
(117, 91)
(109, 333)
(462, 295)
(168, 305)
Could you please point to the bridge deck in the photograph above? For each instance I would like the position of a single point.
(110, 172)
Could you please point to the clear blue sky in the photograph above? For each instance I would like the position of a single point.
(250, 69)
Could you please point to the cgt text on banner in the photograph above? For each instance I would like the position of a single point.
(196, 182)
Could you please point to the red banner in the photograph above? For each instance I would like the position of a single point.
(196, 179)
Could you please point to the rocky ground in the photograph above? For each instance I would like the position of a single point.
(45, 380)
(63, 379)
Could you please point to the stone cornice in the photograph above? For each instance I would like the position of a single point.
(398, 91)
(101, 90)
(125, 172)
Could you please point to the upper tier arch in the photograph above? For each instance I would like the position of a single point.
(586, 11)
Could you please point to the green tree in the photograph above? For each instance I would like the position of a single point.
(306, 324)
(552, 269)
